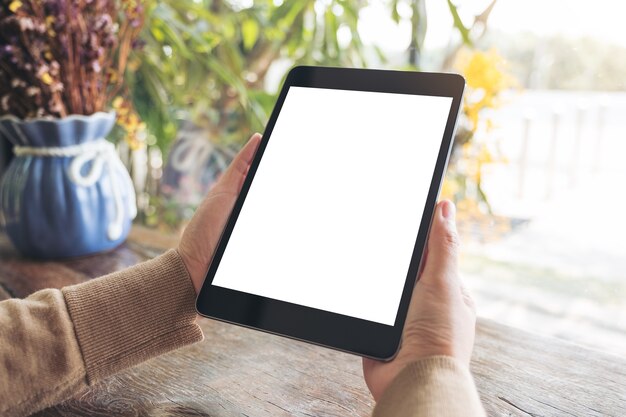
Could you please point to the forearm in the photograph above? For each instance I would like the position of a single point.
(436, 386)
(40, 361)
(57, 342)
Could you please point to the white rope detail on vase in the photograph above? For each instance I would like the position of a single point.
(101, 153)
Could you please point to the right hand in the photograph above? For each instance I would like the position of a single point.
(441, 318)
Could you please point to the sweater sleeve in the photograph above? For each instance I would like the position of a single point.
(57, 342)
(435, 386)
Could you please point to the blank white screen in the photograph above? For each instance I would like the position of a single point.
(332, 215)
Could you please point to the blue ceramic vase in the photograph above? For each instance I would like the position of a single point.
(65, 193)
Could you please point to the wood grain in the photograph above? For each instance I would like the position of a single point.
(241, 372)
(518, 373)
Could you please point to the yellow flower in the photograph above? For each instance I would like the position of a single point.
(449, 189)
(112, 76)
(118, 102)
(47, 78)
(486, 70)
(485, 156)
(129, 120)
(133, 64)
(132, 122)
(15, 5)
(486, 76)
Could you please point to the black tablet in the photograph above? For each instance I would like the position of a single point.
(326, 238)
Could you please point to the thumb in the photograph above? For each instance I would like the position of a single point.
(233, 177)
(443, 246)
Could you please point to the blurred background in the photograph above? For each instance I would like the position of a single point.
(538, 169)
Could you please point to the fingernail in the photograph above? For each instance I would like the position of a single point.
(448, 210)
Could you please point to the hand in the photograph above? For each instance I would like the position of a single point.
(201, 236)
(441, 318)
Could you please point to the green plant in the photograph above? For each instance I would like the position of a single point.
(207, 61)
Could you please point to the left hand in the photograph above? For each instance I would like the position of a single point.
(202, 235)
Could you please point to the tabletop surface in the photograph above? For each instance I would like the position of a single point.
(242, 372)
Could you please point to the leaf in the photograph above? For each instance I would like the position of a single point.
(419, 10)
(214, 44)
(291, 10)
(395, 16)
(249, 33)
(228, 77)
(458, 24)
(332, 43)
(157, 33)
(381, 55)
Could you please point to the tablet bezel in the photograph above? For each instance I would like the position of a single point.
(337, 331)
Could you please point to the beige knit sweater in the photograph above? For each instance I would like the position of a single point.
(57, 342)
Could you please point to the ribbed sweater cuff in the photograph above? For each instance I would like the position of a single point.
(127, 317)
(433, 386)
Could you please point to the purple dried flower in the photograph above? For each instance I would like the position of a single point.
(138, 44)
(5, 51)
(32, 91)
(104, 22)
(4, 103)
(26, 24)
(56, 87)
(56, 56)
(18, 83)
(43, 69)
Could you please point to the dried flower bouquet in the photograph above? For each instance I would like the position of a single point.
(63, 57)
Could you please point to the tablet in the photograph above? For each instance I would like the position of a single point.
(326, 237)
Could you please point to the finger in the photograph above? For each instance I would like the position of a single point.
(422, 264)
(443, 246)
(232, 179)
(467, 296)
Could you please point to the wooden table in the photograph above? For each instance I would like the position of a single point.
(240, 372)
